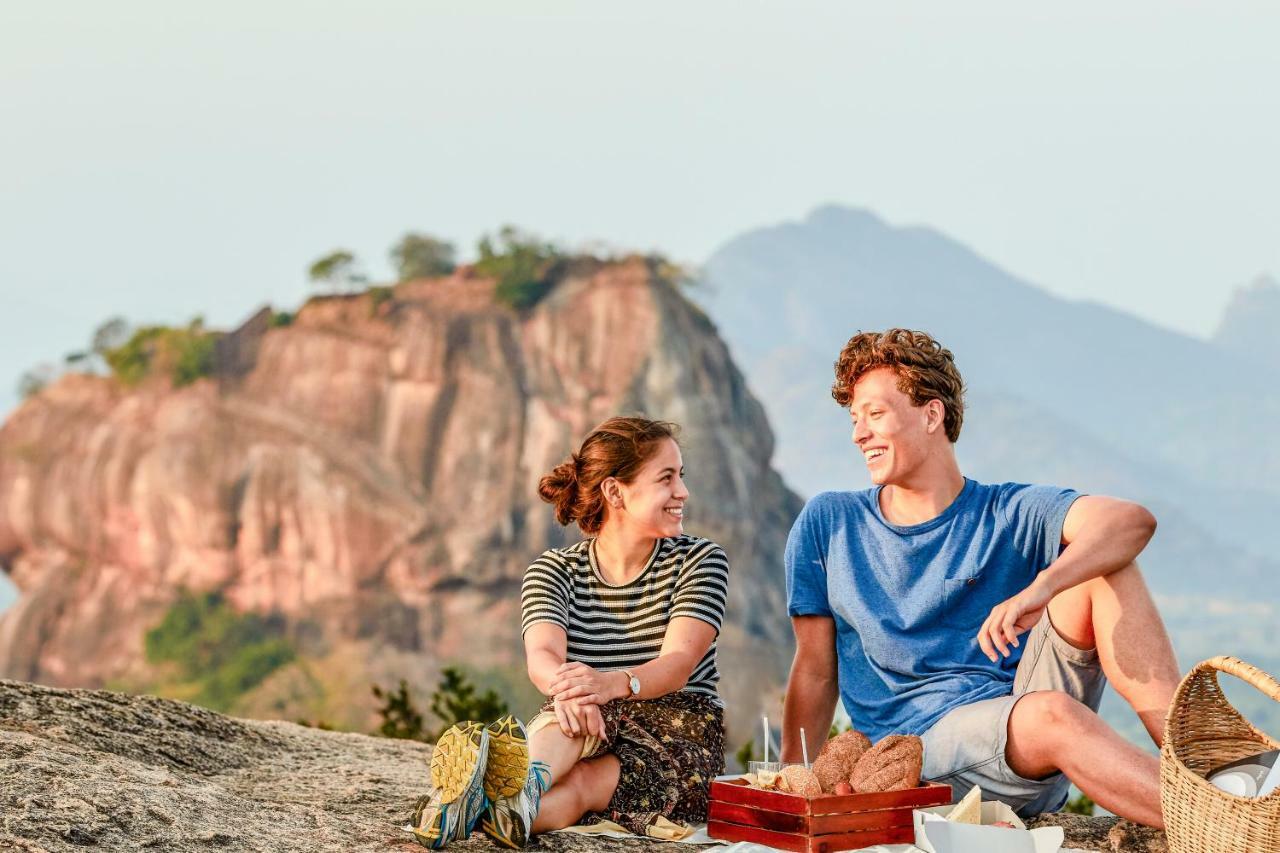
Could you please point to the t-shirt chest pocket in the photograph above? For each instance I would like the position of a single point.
(961, 604)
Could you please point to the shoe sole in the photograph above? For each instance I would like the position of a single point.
(454, 760)
(508, 765)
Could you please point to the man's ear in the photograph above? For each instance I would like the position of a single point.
(935, 415)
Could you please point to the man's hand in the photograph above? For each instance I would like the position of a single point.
(578, 718)
(1012, 617)
(586, 684)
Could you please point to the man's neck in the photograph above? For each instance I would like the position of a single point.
(621, 555)
(921, 498)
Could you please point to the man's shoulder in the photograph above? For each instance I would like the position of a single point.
(841, 502)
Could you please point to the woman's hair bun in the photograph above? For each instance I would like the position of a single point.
(560, 488)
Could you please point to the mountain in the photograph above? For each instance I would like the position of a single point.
(366, 475)
(1251, 321)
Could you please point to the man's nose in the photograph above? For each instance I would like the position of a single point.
(860, 433)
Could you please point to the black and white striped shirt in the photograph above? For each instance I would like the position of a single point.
(620, 627)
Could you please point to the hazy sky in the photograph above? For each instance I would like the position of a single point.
(161, 160)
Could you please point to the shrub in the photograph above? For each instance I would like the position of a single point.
(522, 264)
(422, 256)
(280, 319)
(456, 699)
(337, 271)
(185, 354)
(222, 653)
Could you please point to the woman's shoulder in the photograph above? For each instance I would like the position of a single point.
(568, 558)
(696, 547)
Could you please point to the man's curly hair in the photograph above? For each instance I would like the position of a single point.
(926, 371)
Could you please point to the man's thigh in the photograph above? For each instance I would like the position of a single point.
(968, 746)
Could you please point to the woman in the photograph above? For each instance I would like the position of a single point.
(619, 633)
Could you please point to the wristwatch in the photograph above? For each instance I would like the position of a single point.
(633, 683)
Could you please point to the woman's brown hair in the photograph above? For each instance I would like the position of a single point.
(926, 371)
(619, 448)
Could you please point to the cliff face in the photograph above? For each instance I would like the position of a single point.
(369, 471)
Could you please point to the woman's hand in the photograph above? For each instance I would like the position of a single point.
(579, 718)
(581, 682)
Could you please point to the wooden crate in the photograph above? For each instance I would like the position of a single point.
(821, 825)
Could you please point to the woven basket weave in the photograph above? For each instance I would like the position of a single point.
(1202, 732)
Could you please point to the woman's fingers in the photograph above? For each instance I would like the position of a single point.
(562, 717)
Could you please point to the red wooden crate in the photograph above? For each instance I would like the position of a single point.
(739, 812)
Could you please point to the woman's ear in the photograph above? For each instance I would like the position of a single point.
(612, 491)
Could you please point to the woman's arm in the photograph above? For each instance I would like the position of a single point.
(545, 648)
(686, 641)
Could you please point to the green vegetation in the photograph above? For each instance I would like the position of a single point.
(1080, 804)
(220, 653)
(184, 354)
(523, 265)
(337, 271)
(422, 256)
(400, 717)
(378, 294)
(746, 754)
(280, 319)
(455, 699)
(35, 380)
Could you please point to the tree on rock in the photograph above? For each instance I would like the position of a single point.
(422, 256)
(337, 272)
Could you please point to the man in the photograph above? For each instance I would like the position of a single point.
(913, 600)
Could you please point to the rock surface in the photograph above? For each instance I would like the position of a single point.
(369, 471)
(83, 768)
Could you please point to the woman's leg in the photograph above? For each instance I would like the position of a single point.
(556, 750)
(587, 787)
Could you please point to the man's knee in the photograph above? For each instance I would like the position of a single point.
(1042, 725)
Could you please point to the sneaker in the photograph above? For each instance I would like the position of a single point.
(457, 776)
(508, 765)
(509, 821)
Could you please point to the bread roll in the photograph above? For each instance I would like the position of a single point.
(891, 765)
(800, 780)
(838, 757)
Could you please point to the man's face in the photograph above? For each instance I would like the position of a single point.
(892, 434)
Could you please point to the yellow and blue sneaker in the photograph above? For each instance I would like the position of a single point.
(508, 765)
(457, 777)
(509, 820)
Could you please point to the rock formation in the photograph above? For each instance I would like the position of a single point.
(369, 471)
(117, 772)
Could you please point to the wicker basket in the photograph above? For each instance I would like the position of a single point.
(1202, 732)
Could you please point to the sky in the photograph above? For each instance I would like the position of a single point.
(163, 160)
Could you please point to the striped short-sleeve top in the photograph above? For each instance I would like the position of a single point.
(620, 627)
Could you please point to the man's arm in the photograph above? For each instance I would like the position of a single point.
(812, 689)
(1102, 535)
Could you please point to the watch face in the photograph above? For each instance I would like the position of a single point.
(635, 686)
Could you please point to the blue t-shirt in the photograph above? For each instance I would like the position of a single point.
(908, 600)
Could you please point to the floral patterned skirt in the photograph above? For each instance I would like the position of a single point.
(669, 748)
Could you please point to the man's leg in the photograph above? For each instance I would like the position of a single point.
(1049, 732)
(1116, 615)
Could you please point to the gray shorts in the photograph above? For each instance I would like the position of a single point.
(966, 747)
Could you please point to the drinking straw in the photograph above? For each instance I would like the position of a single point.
(764, 723)
(804, 748)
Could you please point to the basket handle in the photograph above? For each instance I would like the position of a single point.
(1245, 672)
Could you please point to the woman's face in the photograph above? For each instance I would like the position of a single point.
(653, 502)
